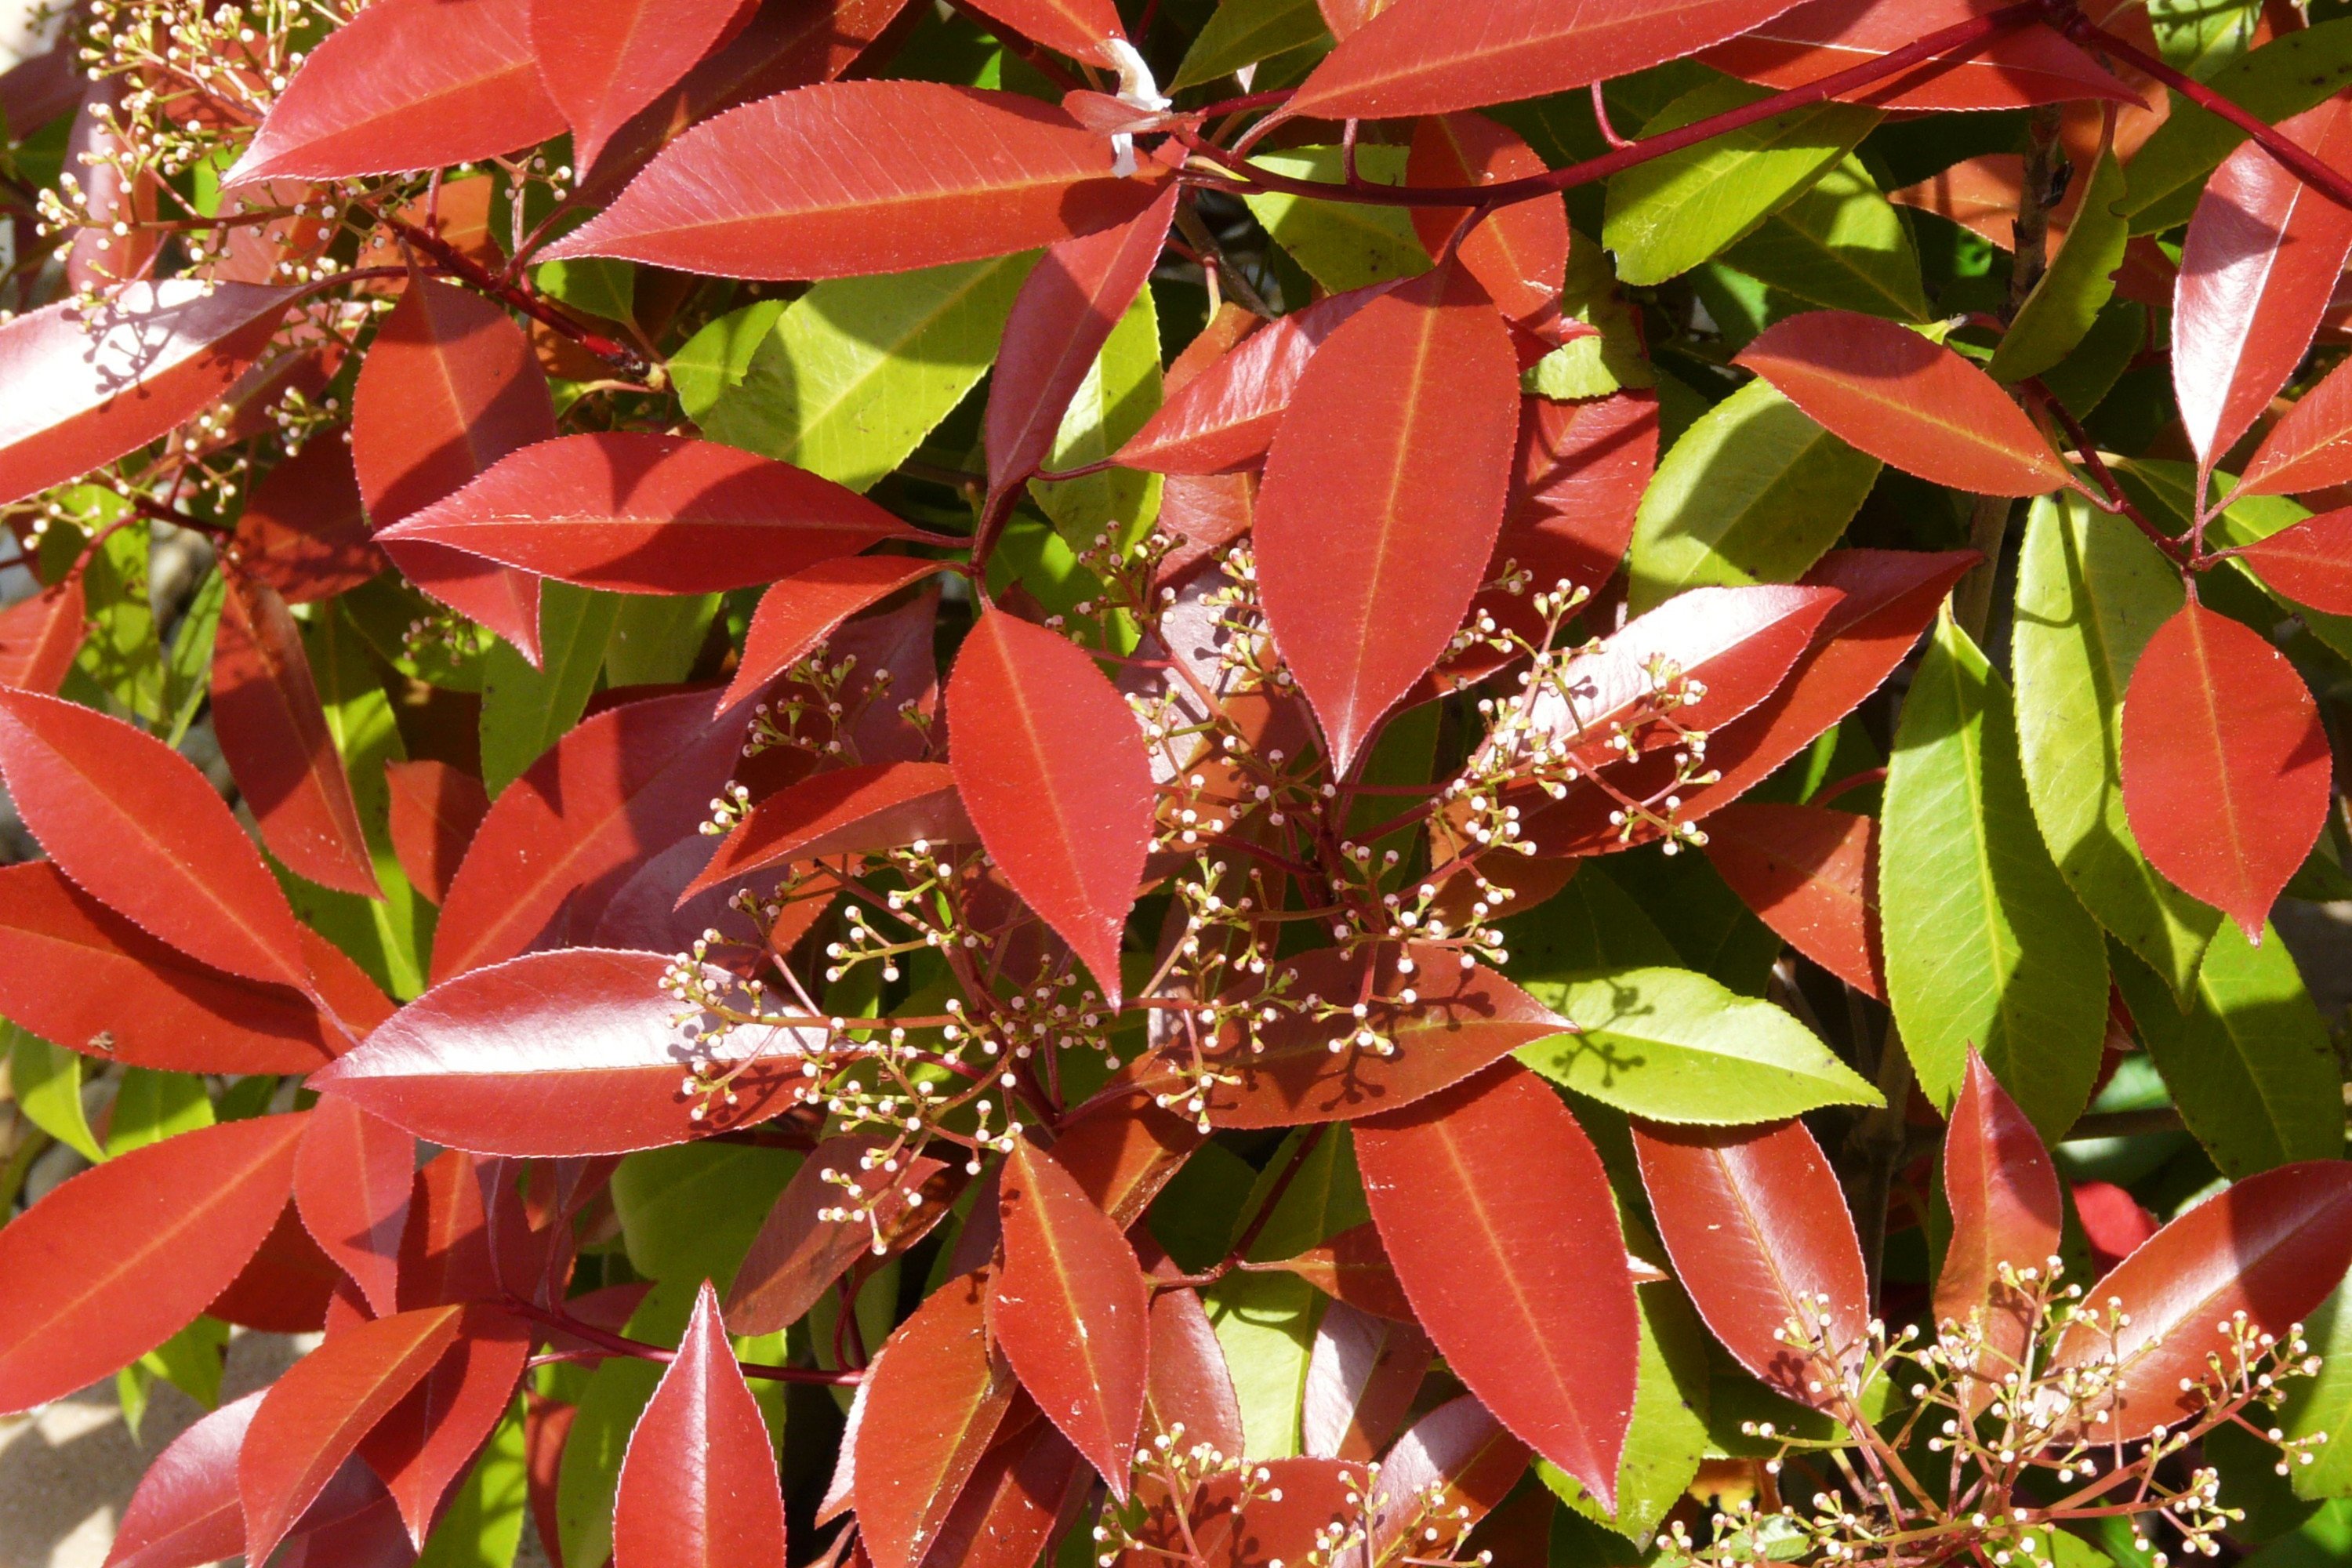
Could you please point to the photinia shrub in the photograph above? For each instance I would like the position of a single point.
(1505, 784)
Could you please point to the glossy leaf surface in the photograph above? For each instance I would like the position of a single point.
(1417, 56)
(421, 84)
(1070, 1311)
(649, 514)
(1810, 874)
(2311, 446)
(2272, 1245)
(136, 826)
(848, 811)
(117, 1259)
(186, 1509)
(2006, 1209)
(601, 63)
(699, 1487)
(1519, 255)
(1906, 401)
(2310, 563)
(1054, 775)
(40, 635)
(1383, 499)
(1497, 1214)
(779, 188)
(931, 1403)
(798, 1253)
(353, 1175)
(2225, 767)
(436, 811)
(1759, 1236)
(2013, 69)
(555, 1054)
(2257, 268)
(798, 614)
(273, 732)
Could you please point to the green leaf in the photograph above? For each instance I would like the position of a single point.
(2292, 72)
(1666, 217)
(191, 1359)
(690, 1212)
(1342, 245)
(1667, 1438)
(1593, 366)
(2166, 491)
(2250, 1065)
(1990, 949)
(715, 361)
(617, 1394)
(526, 710)
(45, 1082)
(657, 636)
(2090, 593)
(187, 673)
(602, 286)
(2082, 381)
(482, 1526)
(2322, 1540)
(1673, 1046)
(858, 371)
(1590, 924)
(2059, 312)
(1244, 32)
(1266, 1321)
(1194, 1216)
(122, 656)
(389, 936)
(1753, 492)
(2322, 1404)
(1121, 390)
(150, 1105)
(2201, 37)
(1839, 244)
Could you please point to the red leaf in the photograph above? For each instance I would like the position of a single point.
(407, 84)
(1448, 1470)
(1808, 872)
(314, 1417)
(850, 811)
(1431, 57)
(603, 61)
(2113, 1222)
(285, 1287)
(116, 1260)
(1078, 28)
(1759, 1237)
(930, 1404)
(1497, 1215)
(2014, 69)
(800, 612)
(2274, 1246)
(1582, 468)
(40, 636)
(2258, 267)
(425, 1443)
(787, 188)
(1383, 496)
(698, 1482)
(1292, 1515)
(2311, 448)
(136, 826)
(444, 1254)
(450, 386)
(1190, 1383)
(2310, 563)
(158, 354)
(1226, 418)
(642, 513)
(799, 1254)
(351, 1180)
(1519, 253)
(624, 786)
(1458, 1022)
(1363, 1374)
(185, 1512)
(2225, 763)
(1878, 385)
(1737, 643)
(273, 734)
(1352, 1267)
(1017, 1493)
(1070, 1311)
(436, 811)
(573, 1052)
(1888, 596)
(304, 531)
(2006, 1209)
(1122, 1150)
(1060, 321)
(1054, 774)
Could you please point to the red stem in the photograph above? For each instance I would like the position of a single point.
(620, 1344)
(620, 356)
(2292, 155)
